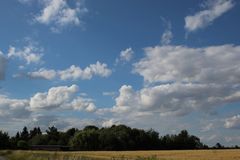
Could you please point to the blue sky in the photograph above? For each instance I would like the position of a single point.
(145, 64)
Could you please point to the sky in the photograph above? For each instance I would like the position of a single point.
(147, 64)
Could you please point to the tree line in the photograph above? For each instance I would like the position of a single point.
(117, 137)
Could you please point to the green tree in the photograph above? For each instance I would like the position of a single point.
(86, 140)
(4, 140)
(53, 135)
(22, 144)
(24, 134)
(35, 131)
(39, 140)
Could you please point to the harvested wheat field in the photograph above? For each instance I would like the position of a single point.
(140, 155)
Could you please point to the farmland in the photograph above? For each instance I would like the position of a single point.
(233, 154)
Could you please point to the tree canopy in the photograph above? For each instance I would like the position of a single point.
(116, 137)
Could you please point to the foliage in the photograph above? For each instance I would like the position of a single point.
(117, 137)
(4, 140)
(22, 144)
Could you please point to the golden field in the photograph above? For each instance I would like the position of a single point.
(232, 154)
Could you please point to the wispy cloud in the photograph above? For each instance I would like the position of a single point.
(212, 10)
(167, 34)
(112, 94)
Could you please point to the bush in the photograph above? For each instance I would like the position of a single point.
(22, 144)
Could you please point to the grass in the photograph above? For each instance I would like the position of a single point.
(233, 154)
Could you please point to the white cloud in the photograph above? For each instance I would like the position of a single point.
(45, 121)
(233, 122)
(83, 104)
(182, 80)
(61, 98)
(58, 13)
(125, 55)
(54, 98)
(167, 34)
(212, 137)
(172, 99)
(207, 127)
(201, 19)
(13, 108)
(214, 64)
(29, 53)
(109, 123)
(3, 63)
(166, 37)
(99, 69)
(127, 98)
(112, 94)
(73, 72)
(43, 73)
(232, 139)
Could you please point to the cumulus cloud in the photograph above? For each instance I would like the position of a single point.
(14, 108)
(214, 64)
(213, 10)
(182, 80)
(126, 99)
(55, 97)
(29, 53)
(83, 104)
(59, 13)
(61, 98)
(172, 99)
(43, 73)
(73, 72)
(3, 63)
(233, 122)
(125, 55)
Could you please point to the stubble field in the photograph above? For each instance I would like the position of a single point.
(233, 154)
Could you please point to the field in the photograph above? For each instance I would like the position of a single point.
(122, 155)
